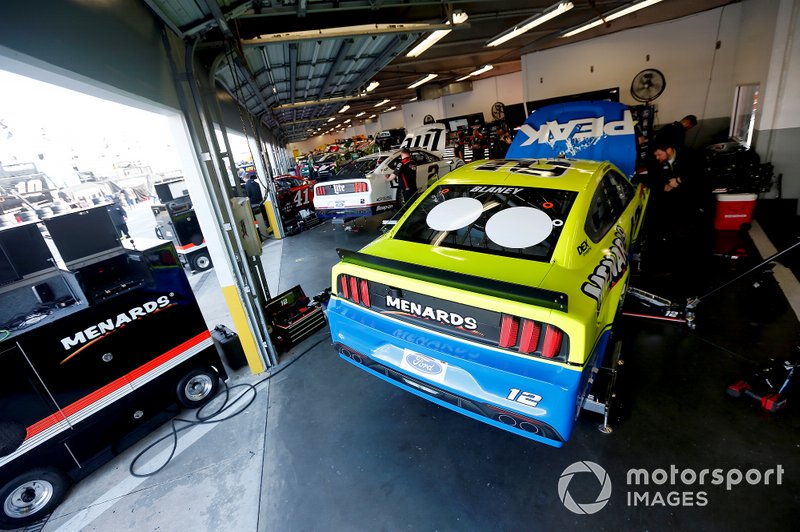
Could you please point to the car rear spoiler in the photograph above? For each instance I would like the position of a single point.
(490, 287)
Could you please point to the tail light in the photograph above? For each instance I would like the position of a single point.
(319, 191)
(360, 187)
(354, 289)
(531, 337)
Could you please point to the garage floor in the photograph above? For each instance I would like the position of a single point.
(324, 446)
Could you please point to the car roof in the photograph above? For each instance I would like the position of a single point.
(577, 177)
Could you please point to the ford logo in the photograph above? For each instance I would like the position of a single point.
(424, 364)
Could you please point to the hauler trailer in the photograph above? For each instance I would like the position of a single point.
(97, 348)
(177, 221)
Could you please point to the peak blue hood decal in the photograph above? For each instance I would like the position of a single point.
(595, 130)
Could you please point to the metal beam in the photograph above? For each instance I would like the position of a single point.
(349, 31)
(292, 71)
(346, 44)
(394, 48)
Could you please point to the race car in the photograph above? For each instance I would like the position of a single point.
(299, 192)
(365, 186)
(495, 294)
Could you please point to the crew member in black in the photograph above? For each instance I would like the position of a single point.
(119, 217)
(678, 222)
(406, 175)
(253, 190)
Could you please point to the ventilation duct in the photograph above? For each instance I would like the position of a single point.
(431, 92)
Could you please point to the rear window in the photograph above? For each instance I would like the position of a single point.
(361, 166)
(520, 222)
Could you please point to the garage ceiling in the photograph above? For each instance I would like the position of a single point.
(297, 63)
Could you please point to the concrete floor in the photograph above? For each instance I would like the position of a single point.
(325, 446)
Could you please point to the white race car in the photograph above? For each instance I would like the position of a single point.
(361, 187)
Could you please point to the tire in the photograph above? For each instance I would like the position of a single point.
(201, 261)
(31, 496)
(197, 387)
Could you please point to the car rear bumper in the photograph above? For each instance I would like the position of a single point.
(470, 383)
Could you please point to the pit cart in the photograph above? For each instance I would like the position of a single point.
(177, 221)
(96, 353)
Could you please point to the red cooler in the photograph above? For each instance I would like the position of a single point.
(733, 210)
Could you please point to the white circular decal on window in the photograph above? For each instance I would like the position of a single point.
(454, 214)
(519, 227)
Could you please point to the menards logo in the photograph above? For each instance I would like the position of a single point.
(431, 313)
(104, 327)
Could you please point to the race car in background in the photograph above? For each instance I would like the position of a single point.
(299, 192)
(495, 294)
(361, 187)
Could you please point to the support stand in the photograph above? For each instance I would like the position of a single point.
(655, 307)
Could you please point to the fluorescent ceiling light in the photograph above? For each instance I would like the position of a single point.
(362, 113)
(373, 116)
(481, 70)
(611, 16)
(381, 103)
(372, 86)
(331, 119)
(414, 99)
(421, 81)
(530, 23)
(459, 17)
(345, 108)
(347, 121)
(392, 108)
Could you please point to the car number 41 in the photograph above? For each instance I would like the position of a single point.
(526, 398)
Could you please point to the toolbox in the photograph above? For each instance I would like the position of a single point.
(229, 347)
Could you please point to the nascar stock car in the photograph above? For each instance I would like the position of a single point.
(494, 295)
(361, 187)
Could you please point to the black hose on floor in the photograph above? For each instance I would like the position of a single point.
(216, 416)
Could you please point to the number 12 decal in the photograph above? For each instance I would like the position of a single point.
(526, 398)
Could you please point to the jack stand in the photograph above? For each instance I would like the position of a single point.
(647, 305)
(602, 394)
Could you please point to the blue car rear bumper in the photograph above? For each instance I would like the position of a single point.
(528, 397)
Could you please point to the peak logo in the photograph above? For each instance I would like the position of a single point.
(577, 131)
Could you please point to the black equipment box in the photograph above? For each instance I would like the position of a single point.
(293, 318)
(229, 347)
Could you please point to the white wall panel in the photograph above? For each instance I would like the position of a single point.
(684, 50)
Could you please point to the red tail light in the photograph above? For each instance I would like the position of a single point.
(525, 335)
(529, 338)
(552, 342)
(361, 187)
(509, 327)
(320, 191)
(354, 289)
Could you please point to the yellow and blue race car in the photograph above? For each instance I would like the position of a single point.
(495, 293)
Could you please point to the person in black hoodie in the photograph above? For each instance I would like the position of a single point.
(406, 174)
(119, 217)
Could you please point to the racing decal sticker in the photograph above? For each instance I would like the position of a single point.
(591, 130)
(424, 311)
(583, 248)
(525, 398)
(611, 268)
(99, 330)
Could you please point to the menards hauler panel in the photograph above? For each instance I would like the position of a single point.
(97, 356)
